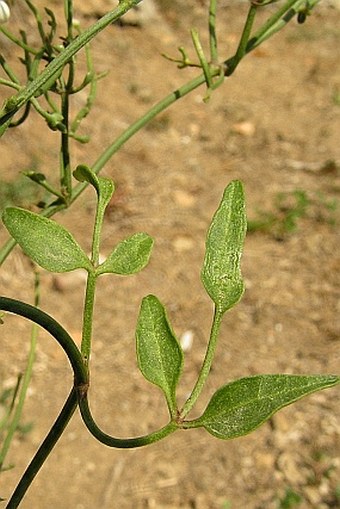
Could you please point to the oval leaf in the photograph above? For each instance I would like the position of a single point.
(221, 273)
(46, 242)
(159, 355)
(241, 406)
(129, 256)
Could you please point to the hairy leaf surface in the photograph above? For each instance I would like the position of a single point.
(221, 273)
(159, 354)
(241, 406)
(129, 256)
(46, 242)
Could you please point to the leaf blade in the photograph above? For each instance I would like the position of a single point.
(129, 256)
(221, 273)
(46, 242)
(159, 355)
(240, 407)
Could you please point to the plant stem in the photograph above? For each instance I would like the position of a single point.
(200, 53)
(8, 83)
(163, 104)
(276, 22)
(44, 450)
(88, 317)
(114, 147)
(142, 121)
(10, 73)
(92, 278)
(17, 41)
(65, 160)
(54, 328)
(202, 377)
(212, 32)
(241, 50)
(56, 65)
(80, 379)
(68, 10)
(121, 443)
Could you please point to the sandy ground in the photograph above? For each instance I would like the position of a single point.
(274, 125)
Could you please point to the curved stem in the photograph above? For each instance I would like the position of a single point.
(44, 450)
(80, 386)
(121, 443)
(54, 328)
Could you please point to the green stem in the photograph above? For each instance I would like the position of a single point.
(65, 160)
(200, 53)
(80, 389)
(56, 65)
(10, 73)
(54, 328)
(44, 184)
(147, 117)
(233, 62)
(91, 281)
(212, 32)
(203, 375)
(278, 21)
(8, 83)
(88, 317)
(81, 381)
(68, 9)
(44, 450)
(142, 121)
(121, 443)
(113, 148)
(17, 41)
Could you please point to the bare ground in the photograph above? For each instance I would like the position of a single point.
(275, 126)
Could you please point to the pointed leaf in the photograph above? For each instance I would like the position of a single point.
(129, 256)
(159, 354)
(46, 242)
(221, 273)
(241, 406)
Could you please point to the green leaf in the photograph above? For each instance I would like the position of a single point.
(241, 406)
(159, 355)
(83, 173)
(129, 256)
(46, 242)
(103, 186)
(221, 273)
